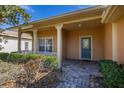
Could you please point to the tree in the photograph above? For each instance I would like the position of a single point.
(13, 15)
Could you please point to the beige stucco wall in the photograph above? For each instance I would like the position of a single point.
(120, 41)
(108, 41)
(72, 42)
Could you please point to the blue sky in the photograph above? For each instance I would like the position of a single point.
(44, 11)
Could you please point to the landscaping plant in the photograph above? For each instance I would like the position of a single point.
(25, 68)
(113, 74)
(4, 56)
(18, 58)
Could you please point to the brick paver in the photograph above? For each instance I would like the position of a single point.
(77, 74)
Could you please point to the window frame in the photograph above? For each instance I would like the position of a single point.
(27, 46)
(45, 38)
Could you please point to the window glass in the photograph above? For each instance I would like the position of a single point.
(85, 43)
(42, 41)
(42, 48)
(49, 41)
(45, 44)
(48, 48)
(26, 45)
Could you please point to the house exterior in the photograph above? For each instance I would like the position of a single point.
(95, 33)
(9, 42)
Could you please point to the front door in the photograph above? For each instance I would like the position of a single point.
(86, 48)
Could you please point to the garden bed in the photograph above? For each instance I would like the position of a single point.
(24, 70)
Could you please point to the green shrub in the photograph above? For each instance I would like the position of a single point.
(22, 58)
(113, 74)
(16, 58)
(50, 62)
(33, 56)
(4, 56)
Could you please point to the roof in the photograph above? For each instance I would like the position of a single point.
(113, 13)
(75, 15)
(14, 34)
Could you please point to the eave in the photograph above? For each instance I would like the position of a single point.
(76, 16)
(112, 13)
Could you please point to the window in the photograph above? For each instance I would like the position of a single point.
(45, 44)
(26, 45)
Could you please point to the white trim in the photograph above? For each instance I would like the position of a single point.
(114, 41)
(91, 47)
(27, 27)
(83, 19)
(44, 37)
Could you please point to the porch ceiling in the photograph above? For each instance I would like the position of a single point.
(76, 26)
(83, 25)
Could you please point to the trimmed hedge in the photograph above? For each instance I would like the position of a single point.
(22, 58)
(113, 74)
(4, 56)
(18, 58)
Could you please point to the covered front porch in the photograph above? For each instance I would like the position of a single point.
(78, 35)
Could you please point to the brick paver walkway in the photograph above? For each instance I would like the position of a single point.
(77, 74)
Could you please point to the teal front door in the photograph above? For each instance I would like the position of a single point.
(86, 48)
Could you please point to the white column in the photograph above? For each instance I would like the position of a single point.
(114, 41)
(35, 39)
(59, 45)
